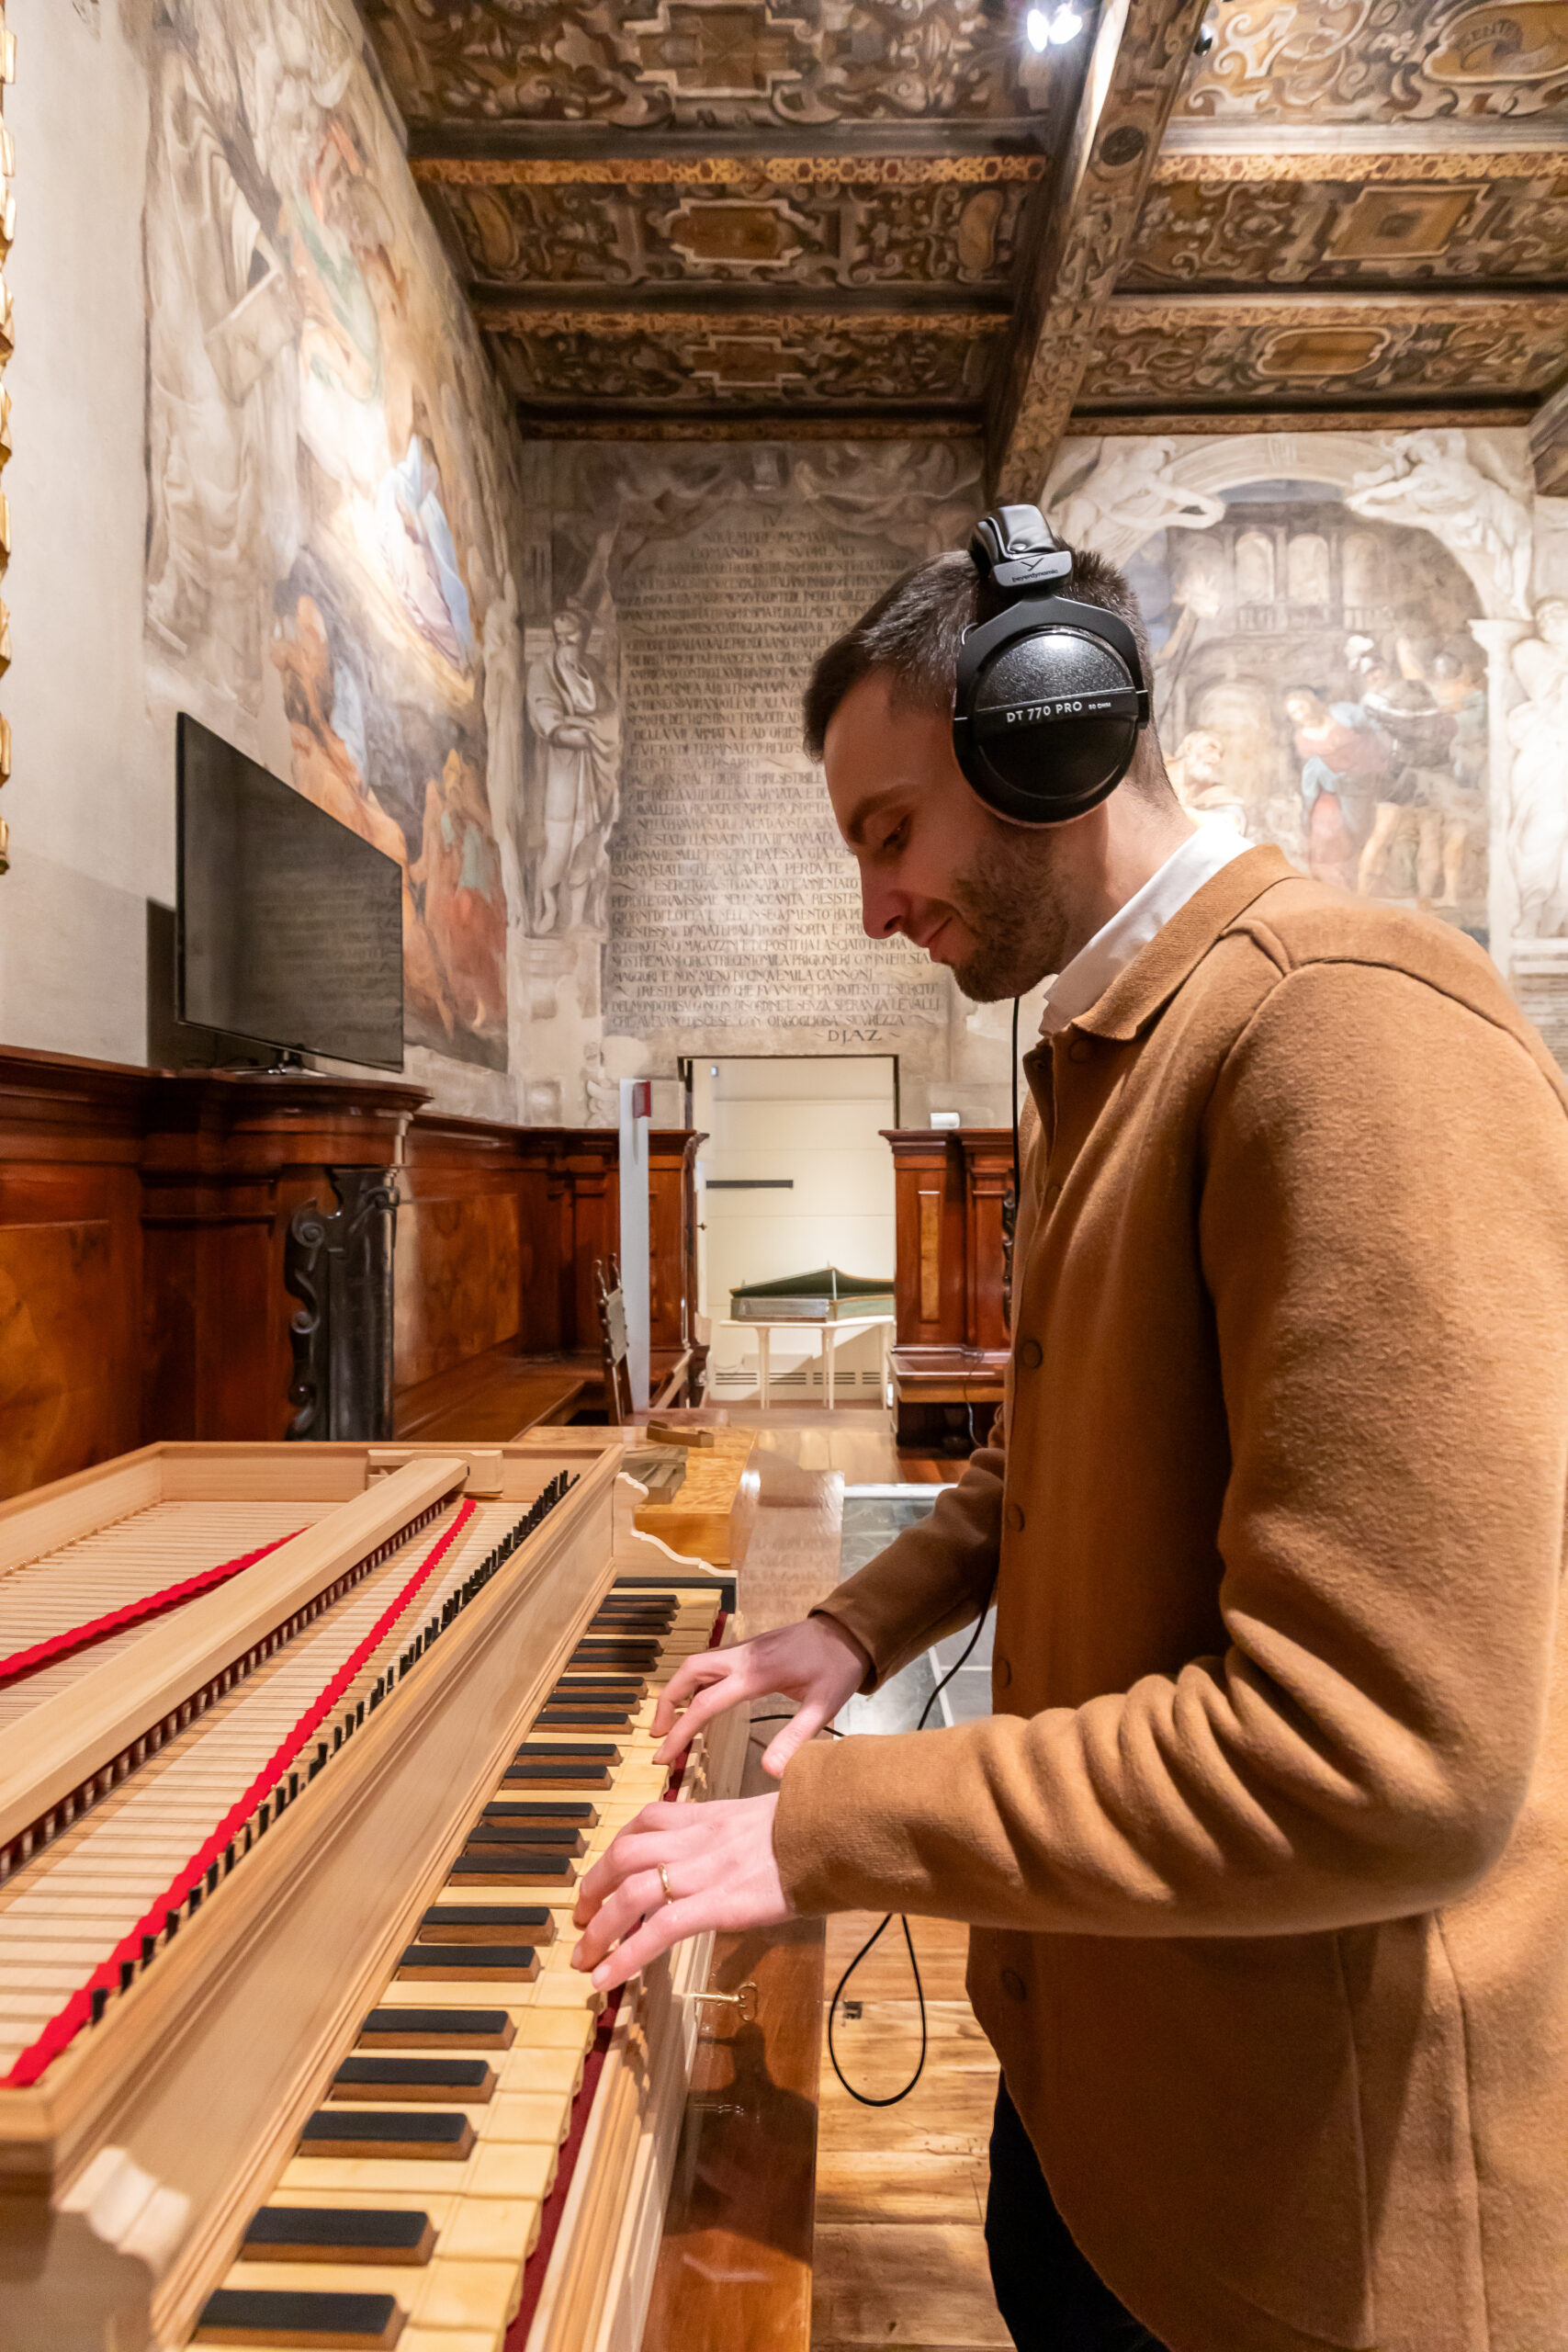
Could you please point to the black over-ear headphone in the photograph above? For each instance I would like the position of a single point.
(1050, 694)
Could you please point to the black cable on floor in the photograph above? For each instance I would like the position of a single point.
(864, 2098)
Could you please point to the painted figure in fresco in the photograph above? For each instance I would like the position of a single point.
(1431, 482)
(458, 870)
(1344, 757)
(222, 324)
(577, 721)
(325, 764)
(503, 650)
(421, 554)
(304, 433)
(601, 1092)
(1196, 770)
(1537, 815)
(1421, 801)
(1135, 490)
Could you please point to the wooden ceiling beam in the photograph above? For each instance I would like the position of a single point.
(1400, 417)
(430, 150)
(724, 169)
(829, 422)
(497, 307)
(1511, 147)
(1549, 444)
(1085, 222)
(610, 313)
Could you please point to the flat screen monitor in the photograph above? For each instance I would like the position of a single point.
(290, 924)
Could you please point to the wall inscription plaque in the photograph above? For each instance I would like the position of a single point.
(735, 904)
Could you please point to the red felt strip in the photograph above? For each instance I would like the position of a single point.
(550, 2212)
(63, 2027)
(135, 1612)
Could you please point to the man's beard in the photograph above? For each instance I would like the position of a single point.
(1010, 902)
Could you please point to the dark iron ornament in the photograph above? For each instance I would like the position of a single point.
(338, 1264)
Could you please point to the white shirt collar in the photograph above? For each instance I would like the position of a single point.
(1096, 965)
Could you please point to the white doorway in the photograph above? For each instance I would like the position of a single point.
(795, 1175)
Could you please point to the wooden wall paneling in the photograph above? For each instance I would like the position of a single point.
(143, 1220)
(988, 1180)
(226, 1161)
(459, 1264)
(70, 1266)
(542, 1195)
(931, 1236)
(593, 1228)
(673, 1235)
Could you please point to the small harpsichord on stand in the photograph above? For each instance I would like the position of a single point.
(301, 1753)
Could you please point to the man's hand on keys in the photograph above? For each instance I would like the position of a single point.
(677, 1871)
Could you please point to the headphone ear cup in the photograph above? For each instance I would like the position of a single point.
(1020, 750)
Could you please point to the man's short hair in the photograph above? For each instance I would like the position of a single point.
(913, 632)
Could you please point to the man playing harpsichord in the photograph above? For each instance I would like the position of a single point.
(1265, 1846)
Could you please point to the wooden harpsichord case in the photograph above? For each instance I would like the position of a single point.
(301, 1752)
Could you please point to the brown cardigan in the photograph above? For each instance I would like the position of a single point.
(1266, 1848)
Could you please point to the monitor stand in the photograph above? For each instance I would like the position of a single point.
(288, 1063)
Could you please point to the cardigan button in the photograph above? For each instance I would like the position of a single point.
(1014, 1985)
(1001, 1668)
(1081, 1050)
(1015, 1518)
(1030, 1354)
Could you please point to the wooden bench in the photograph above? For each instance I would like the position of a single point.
(494, 1398)
(940, 1393)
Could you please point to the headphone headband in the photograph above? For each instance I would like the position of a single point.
(1050, 694)
(1014, 548)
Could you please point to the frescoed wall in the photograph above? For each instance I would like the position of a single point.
(1360, 653)
(687, 893)
(331, 483)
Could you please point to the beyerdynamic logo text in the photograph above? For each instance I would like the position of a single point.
(1066, 709)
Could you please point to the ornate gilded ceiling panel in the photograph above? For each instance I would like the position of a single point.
(767, 235)
(1326, 232)
(1316, 349)
(750, 360)
(1380, 61)
(714, 65)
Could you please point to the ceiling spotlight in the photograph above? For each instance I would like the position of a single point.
(1037, 28)
(1066, 23)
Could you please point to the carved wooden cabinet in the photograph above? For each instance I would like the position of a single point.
(159, 1262)
(952, 1187)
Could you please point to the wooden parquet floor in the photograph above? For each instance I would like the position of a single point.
(900, 2257)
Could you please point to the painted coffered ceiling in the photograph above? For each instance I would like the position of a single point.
(713, 217)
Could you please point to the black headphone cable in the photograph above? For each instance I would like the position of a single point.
(864, 2098)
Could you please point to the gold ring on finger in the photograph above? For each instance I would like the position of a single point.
(664, 1883)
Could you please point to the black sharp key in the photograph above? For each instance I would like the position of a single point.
(437, 2030)
(338, 2323)
(581, 1816)
(428, 2132)
(629, 1686)
(471, 1963)
(436, 2079)
(557, 1835)
(585, 1718)
(486, 1923)
(496, 1868)
(556, 1776)
(575, 1751)
(338, 2234)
